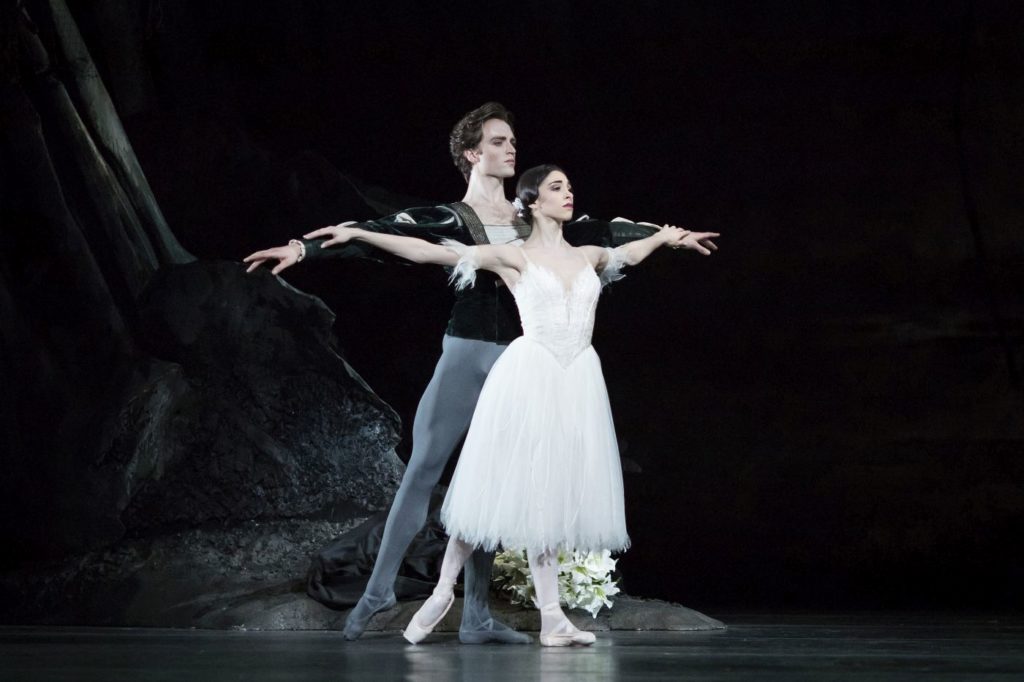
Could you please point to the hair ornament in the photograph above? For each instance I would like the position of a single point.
(517, 204)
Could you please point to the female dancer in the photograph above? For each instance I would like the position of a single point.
(540, 466)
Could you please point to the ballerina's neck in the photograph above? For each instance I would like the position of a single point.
(547, 233)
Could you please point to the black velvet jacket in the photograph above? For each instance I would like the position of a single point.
(486, 311)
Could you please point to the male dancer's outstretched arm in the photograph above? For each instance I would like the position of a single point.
(425, 222)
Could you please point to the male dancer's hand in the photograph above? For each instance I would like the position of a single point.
(699, 242)
(672, 236)
(286, 256)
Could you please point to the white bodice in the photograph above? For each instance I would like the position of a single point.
(560, 319)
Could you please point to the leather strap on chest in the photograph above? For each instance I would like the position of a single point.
(476, 228)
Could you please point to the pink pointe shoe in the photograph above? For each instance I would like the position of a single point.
(415, 633)
(565, 633)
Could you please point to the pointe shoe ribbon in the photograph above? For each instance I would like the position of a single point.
(415, 633)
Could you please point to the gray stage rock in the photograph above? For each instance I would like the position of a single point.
(212, 578)
(217, 470)
(275, 424)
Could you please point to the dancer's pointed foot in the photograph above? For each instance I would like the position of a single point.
(491, 631)
(429, 615)
(561, 632)
(363, 611)
(566, 634)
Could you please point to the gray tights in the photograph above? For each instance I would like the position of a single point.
(442, 418)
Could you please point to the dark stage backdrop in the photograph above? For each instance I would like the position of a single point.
(828, 412)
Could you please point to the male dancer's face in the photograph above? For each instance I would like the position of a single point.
(496, 155)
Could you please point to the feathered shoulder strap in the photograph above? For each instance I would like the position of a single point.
(612, 271)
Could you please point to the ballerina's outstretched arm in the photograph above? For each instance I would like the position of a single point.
(608, 261)
(505, 260)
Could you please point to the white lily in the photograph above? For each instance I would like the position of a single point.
(584, 579)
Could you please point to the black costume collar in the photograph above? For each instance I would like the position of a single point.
(476, 228)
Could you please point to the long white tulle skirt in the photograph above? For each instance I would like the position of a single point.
(540, 467)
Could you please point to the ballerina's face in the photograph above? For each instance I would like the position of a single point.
(554, 197)
(496, 154)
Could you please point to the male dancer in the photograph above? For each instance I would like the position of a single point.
(484, 320)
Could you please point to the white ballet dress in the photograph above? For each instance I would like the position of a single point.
(540, 466)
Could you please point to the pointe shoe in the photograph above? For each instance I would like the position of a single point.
(415, 633)
(580, 637)
(565, 633)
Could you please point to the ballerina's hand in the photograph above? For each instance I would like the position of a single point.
(700, 242)
(286, 256)
(336, 234)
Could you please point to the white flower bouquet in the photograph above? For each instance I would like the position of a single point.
(584, 579)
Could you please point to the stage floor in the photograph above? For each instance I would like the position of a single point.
(755, 647)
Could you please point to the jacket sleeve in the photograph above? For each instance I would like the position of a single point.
(432, 223)
(589, 232)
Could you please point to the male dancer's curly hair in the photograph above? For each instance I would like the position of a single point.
(468, 132)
